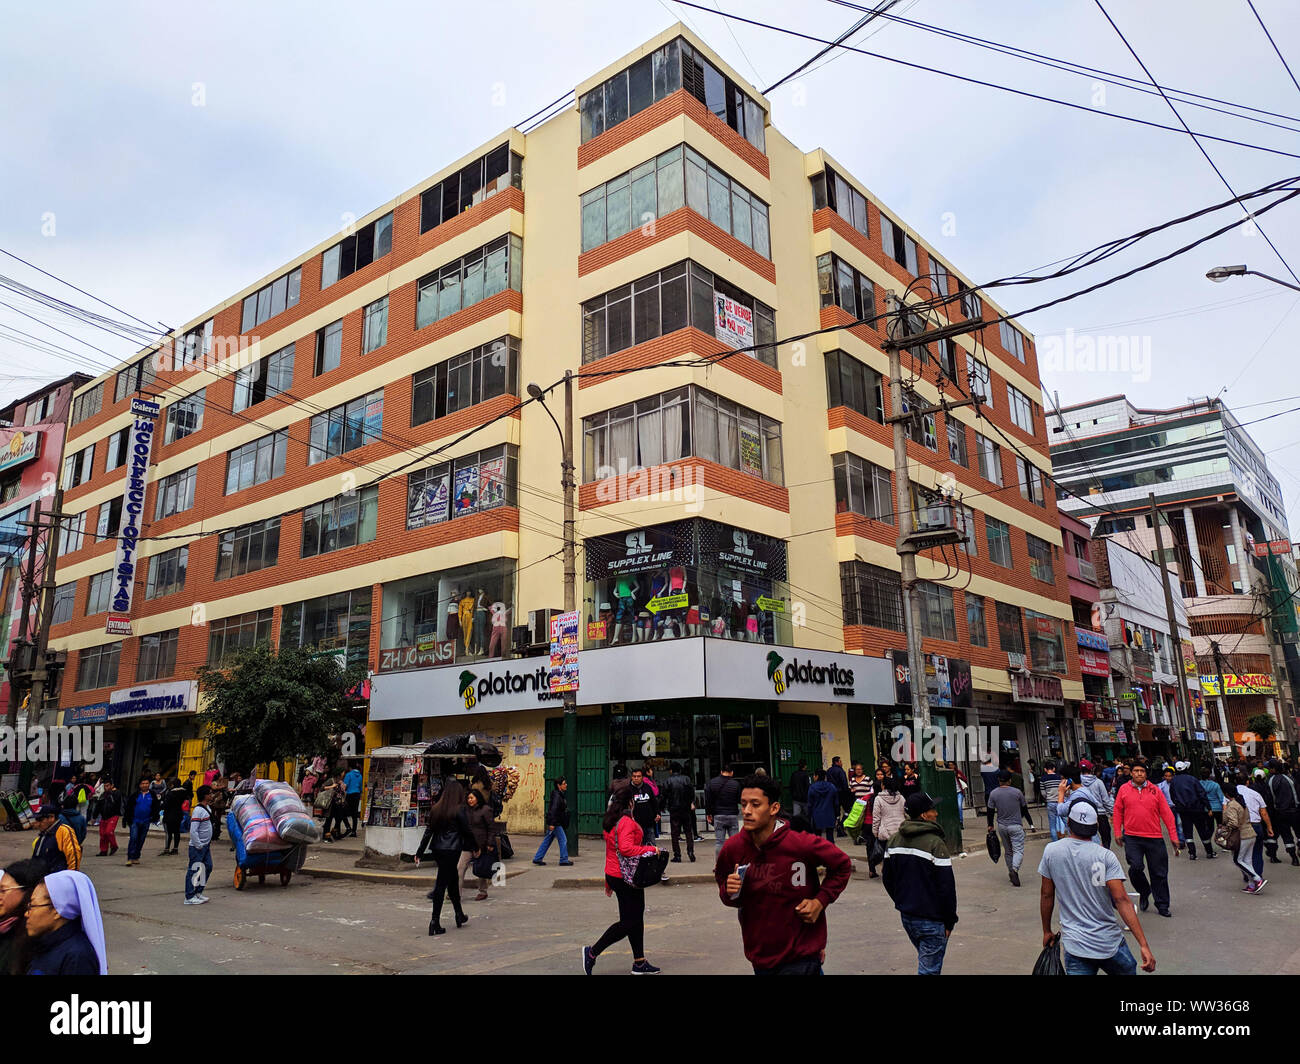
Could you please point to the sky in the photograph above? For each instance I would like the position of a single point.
(163, 156)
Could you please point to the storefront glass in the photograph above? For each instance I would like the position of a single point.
(1046, 642)
(457, 615)
(338, 622)
(644, 735)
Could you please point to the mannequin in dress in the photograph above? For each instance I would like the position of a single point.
(500, 630)
(482, 605)
(467, 620)
(453, 617)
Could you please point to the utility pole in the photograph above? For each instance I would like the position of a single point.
(1223, 693)
(570, 601)
(47, 607)
(21, 645)
(1184, 699)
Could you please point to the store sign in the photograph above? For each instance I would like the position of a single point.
(1015, 660)
(488, 687)
(1261, 550)
(757, 671)
(744, 551)
(564, 651)
(641, 551)
(1092, 663)
(1104, 732)
(153, 700)
(1092, 640)
(733, 323)
(96, 713)
(595, 630)
(139, 444)
(1189, 658)
(948, 682)
(1037, 690)
(1251, 683)
(1140, 664)
(18, 446)
(770, 605)
(425, 653)
(668, 602)
(1279, 547)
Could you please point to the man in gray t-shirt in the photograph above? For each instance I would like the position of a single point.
(1089, 884)
(1007, 803)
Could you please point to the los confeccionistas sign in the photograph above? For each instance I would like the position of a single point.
(140, 443)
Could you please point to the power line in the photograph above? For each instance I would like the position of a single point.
(830, 45)
(1278, 50)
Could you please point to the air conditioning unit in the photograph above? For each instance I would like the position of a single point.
(539, 626)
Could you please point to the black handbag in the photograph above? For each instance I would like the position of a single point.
(503, 844)
(485, 864)
(650, 869)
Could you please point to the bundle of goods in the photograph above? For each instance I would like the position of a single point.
(290, 815)
(449, 744)
(505, 781)
(486, 753)
(256, 825)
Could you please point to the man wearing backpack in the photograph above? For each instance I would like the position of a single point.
(1282, 789)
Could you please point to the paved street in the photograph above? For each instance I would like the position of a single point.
(320, 925)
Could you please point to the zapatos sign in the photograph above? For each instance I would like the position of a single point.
(140, 443)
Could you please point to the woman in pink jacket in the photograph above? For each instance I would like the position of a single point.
(623, 837)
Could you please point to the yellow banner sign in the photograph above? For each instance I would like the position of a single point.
(1251, 683)
(770, 604)
(667, 602)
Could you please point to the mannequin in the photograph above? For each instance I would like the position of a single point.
(500, 629)
(692, 610)
(657, 620)
(482, 605)
(751, 623)
(625, 591)
(467, 620)
(453, 618)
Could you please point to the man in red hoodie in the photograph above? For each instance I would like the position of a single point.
(769, 873)
(1140, 809)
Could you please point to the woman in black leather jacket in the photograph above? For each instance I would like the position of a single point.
(446, 835)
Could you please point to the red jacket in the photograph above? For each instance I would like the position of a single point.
(1139, 812)
(626, 839)
(781, 873)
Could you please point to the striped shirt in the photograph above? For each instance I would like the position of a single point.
(860, 788)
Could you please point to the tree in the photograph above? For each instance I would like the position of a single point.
(266, 706)
(1263, 725)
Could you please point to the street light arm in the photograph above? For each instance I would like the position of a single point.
(1275, 280)
(542, 404)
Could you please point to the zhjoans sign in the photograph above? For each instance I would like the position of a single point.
(139, 444)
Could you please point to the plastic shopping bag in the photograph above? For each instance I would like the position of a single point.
(995, 846)
(1049, 961)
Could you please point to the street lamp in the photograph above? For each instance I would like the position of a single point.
(1221, 273)
(570, 576)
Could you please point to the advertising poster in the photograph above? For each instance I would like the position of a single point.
(491, 483)
(564, 652)
(465, 497)
(751, 452)
(428, 502)
(733, 324)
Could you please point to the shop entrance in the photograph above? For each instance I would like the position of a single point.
(700, 742)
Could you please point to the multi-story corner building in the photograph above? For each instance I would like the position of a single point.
(373, 478)
(31, 451)
(1225, 534)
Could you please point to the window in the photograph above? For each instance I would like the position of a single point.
(957, 442)
(331, 623)
(134, 378)
(374, 327)
(176, 493)
(971, 304)
(97, 666)
(938, 619)
(157, 656)
(978, 380)
(38, 409)
(660, 186)
(477, 276)
(185, 416)
(831, 190)
(65, 595)
(862, 487)
(368, 244)
(946, 356)
(681, 295)
(329, 347)
(343, 521)
(255, 462)
(72, 533)
(499, 169)
(116, 448)
(79, 467)
(468, 378)
(1047, 642)
(939, 278)
(347, 427)
(273, 299)
(966, 526)
(920, 428)
(248, 548)
(1013, 341)
(413, 630)
(998, 536)
(898, 245)
(97, 598)
(189, 349)
(1031, 481)
(1011, 634)
(230, 635)
(990, 458)
(87, 404)
(475, 482)
(269, 376)
(110, 519)
(840, 285)
(975, 627)
(1022, 410)
(872, 595)
(854, 384)
(167, 572)
(1040, 559)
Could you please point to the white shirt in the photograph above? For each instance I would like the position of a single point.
(1253, 801)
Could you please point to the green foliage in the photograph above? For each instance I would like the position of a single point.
(266, 706)
(1262, 725)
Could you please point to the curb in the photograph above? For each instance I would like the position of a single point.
(584, 884)
(391, 878)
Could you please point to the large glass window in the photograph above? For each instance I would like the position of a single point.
(842, 286)
(722, 96)
(966, 526)
(1046, 642)
(1013, 340)
(477, 276)
(655, 189)
(831, 190)
(116, 448)
(898, 245)
(990, 458)
(862, 487)
(110, 518)
(134, 378)
(157, 656)
(998, 536)
(255, 462)
(472, 483)
(1022, 409)
(368, 244)
(65, 596)
(854, 384)
(1011, 633)
(938, 619)
(185, 417)
(272, 299)
(74, 530)
(487, 175)
(976, 627)
(346, 427)
(872, 595)
(266, 378)
(957, 442)
(79, 467)
(1040, 559)
(167, 572)
(338, 622)
(681, 295)
(453, 616)
(329, 347)
(97, 666)
(229, 635)
(1031, 481)
(921, 428)
(176, 493)
(343, 521)
(374, 326)
(98, 596)
(481, 373)
(87, 404)
(248, 548)
(977, 380)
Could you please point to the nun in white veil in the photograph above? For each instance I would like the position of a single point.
(66, 927)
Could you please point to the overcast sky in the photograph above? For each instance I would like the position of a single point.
(162, 156)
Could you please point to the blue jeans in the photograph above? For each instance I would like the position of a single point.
(553, 833)
(961, 803)
(727, 824)
(1120, 964)
(198, 870)
(139, 833)
(930, 941)
(1054, 824)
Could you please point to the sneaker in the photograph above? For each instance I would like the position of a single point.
(1164, 912)
(202, 899)
(566, 864)
(588, 960)
(663, 878)
(193, 901)
(676, 860)
(1260, 886)
(1248, 890)
(645, 968)
(539, 862)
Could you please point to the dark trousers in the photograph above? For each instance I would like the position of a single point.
(631, 919)
(802, 966)
(1136, 850)
(1287, 826)
(1196, 822)
(684, 823)
(139, 832)
(448, 882)
(354, 811)
(830, 833)
(1103, 829)
(172, 833)
(333, 825)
